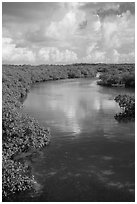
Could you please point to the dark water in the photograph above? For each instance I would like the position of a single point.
(91, 155)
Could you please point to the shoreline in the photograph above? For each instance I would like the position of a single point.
(21, 132)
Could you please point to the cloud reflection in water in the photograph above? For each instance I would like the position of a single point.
(72, 107)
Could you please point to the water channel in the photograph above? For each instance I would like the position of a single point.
(91, 155)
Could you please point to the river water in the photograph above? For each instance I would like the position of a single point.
(91, 155)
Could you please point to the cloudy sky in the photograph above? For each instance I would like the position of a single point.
(64, 33)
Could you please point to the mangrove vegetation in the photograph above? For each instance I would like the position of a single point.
(23, 135)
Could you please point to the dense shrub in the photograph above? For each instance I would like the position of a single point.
(16, 177)
(127, 104)
(20, 134)
(119, 75)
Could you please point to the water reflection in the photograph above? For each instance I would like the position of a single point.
(71, 106)
(91, 156)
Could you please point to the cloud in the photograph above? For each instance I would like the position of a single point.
(115, 9)
(91, 48)
(68, 25)
(97, 56)
(53, 54)
(104, 9)
(114, 55)
(17, 55)
(49, 32)
(117, 31)
(122, 57)
(12, 54)
(109, 31)
(108, 10)
(97, 25)
(94, 55)
(127, 6)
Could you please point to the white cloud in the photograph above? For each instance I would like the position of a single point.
(109, 33)
(68, 26)
(62, 28)
(53, 54)
(117, 30)
(91, 48)
(44, 54)
(95, 57)
(97, 25)
(17, 55)
(116, 56)
(122, 57)
(13, 54)
(95, 31)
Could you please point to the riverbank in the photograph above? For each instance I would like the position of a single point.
(22, 134)
(124, 77)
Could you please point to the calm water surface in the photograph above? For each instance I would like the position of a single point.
(91, 155)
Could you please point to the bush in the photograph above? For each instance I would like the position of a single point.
(118, 75)
(127, 104)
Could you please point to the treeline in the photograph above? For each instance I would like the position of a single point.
(117, 75)
(17, 79)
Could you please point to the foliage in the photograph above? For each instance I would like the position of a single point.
(127, 104)
(20, 134)
(16, 177)
(119, 75)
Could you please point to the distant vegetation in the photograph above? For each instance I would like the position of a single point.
(118, 75)
(121, 75)
(21, 133)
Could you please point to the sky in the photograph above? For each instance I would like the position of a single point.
(65, 33)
